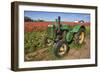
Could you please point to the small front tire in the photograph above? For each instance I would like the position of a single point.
(61, 48)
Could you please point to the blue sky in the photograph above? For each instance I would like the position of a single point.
(51, 16)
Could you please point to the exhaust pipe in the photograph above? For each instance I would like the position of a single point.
(59, 20)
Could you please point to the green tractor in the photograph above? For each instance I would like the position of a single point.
(63, 35)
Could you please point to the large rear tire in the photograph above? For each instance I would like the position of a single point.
(79, 37)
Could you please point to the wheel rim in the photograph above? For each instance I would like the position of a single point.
(62, 50)
(81, 37)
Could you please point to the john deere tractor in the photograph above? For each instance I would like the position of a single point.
(63, 35)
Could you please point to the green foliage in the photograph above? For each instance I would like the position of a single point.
(34, 41)
(88, 30)
(76, 46)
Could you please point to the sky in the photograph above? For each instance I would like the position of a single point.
(51, 16)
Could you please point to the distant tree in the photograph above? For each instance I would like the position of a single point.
(39, 20)
(27, 19)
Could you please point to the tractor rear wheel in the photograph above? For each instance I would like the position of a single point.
(79, 37)
(61, 48)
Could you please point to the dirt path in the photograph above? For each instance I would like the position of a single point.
(80, 53)
(45, 54)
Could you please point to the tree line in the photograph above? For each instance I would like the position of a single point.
(28, 19)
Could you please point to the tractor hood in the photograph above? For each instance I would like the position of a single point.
(65, 27)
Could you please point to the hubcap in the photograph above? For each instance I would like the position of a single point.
(62, 49)
(81, 37)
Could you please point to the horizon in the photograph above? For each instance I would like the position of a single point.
(51, 16)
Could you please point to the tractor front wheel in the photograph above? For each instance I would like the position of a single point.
(61, 48)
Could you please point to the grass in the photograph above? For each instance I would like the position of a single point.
(88, 30)
(33, 41)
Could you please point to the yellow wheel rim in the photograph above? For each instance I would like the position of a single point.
(81, 37)
(62, 50)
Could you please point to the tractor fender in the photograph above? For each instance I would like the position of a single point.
(69, 36)
(77, 28)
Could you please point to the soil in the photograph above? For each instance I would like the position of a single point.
(81, 53)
